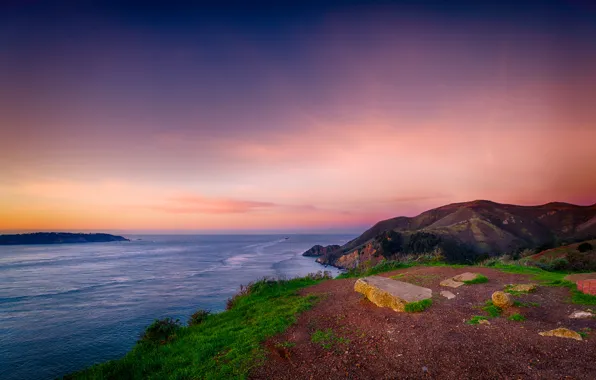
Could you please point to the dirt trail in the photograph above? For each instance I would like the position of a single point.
(435, 344)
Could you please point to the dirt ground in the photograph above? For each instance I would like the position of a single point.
(369, 342)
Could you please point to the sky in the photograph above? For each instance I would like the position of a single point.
(315, 116)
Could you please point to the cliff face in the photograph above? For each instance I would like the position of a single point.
(465, 232)
(319, 250)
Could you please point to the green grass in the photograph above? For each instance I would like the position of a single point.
(517, 317)
(418, 306)
(551, 279)
(580, 298)
(480, 279)
(383, 266)
(475, 320)
(525, 304)
(224, 346)
(540, 275)
(491, 309)
(327, 339)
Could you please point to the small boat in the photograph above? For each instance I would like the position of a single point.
(287, 238)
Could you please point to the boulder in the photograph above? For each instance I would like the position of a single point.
(502, 299)
(451, 283)
(468, 276)
(526, 288)
(484, 322)
(562, 333)
(385, 292)
(447, 294)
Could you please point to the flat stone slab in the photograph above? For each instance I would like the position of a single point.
(394, 294)
(447, 294)
(451, 283)
(468, 276)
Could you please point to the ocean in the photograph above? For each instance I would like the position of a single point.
(65, 307)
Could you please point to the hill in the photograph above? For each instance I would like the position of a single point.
(57, 238)
(468, 231)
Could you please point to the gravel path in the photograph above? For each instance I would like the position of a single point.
(435, 344)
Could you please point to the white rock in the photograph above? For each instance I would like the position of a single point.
(577, 314)
(447, 294)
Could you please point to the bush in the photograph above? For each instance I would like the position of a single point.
(559, 264)
(161, 331)
(584, 247)
(198, 317)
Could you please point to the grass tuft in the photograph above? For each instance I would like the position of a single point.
(491, 309)
(327, 339)
(517, 317)
(418, 306)
(480, 279)
(475, 320)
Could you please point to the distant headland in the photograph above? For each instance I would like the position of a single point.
(57, 238)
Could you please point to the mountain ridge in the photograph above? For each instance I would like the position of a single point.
(476, 228)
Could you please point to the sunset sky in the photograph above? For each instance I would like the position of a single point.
(314, 117)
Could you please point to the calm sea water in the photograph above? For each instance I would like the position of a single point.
(65, 307)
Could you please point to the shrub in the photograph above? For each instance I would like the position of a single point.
(418, 306)
(161, 331)
(584, 247)
(559, 264)
(198, 317)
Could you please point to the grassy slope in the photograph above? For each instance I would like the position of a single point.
(225, 346)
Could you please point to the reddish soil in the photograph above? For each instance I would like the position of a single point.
(437, 343)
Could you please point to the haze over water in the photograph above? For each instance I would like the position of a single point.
(65, 307)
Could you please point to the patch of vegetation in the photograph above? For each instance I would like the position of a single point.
(525, 304)
(538, 274)
(480, 279)
(475, 320)
(517, 317)
(327, 339)
(286, 344)
(418, 306)
(491, 309)
(225, 345)
(580, 298)
(160, 331)
(383, 266)
(585, 332)
(198, 317)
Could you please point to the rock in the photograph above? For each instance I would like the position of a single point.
(451, 283)
(522, 287)
(484, 322)
(319, 250)
(502, 299)
(447, 294)
(579, 314)
(562, 333)
(385, 292)
(468, 276)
